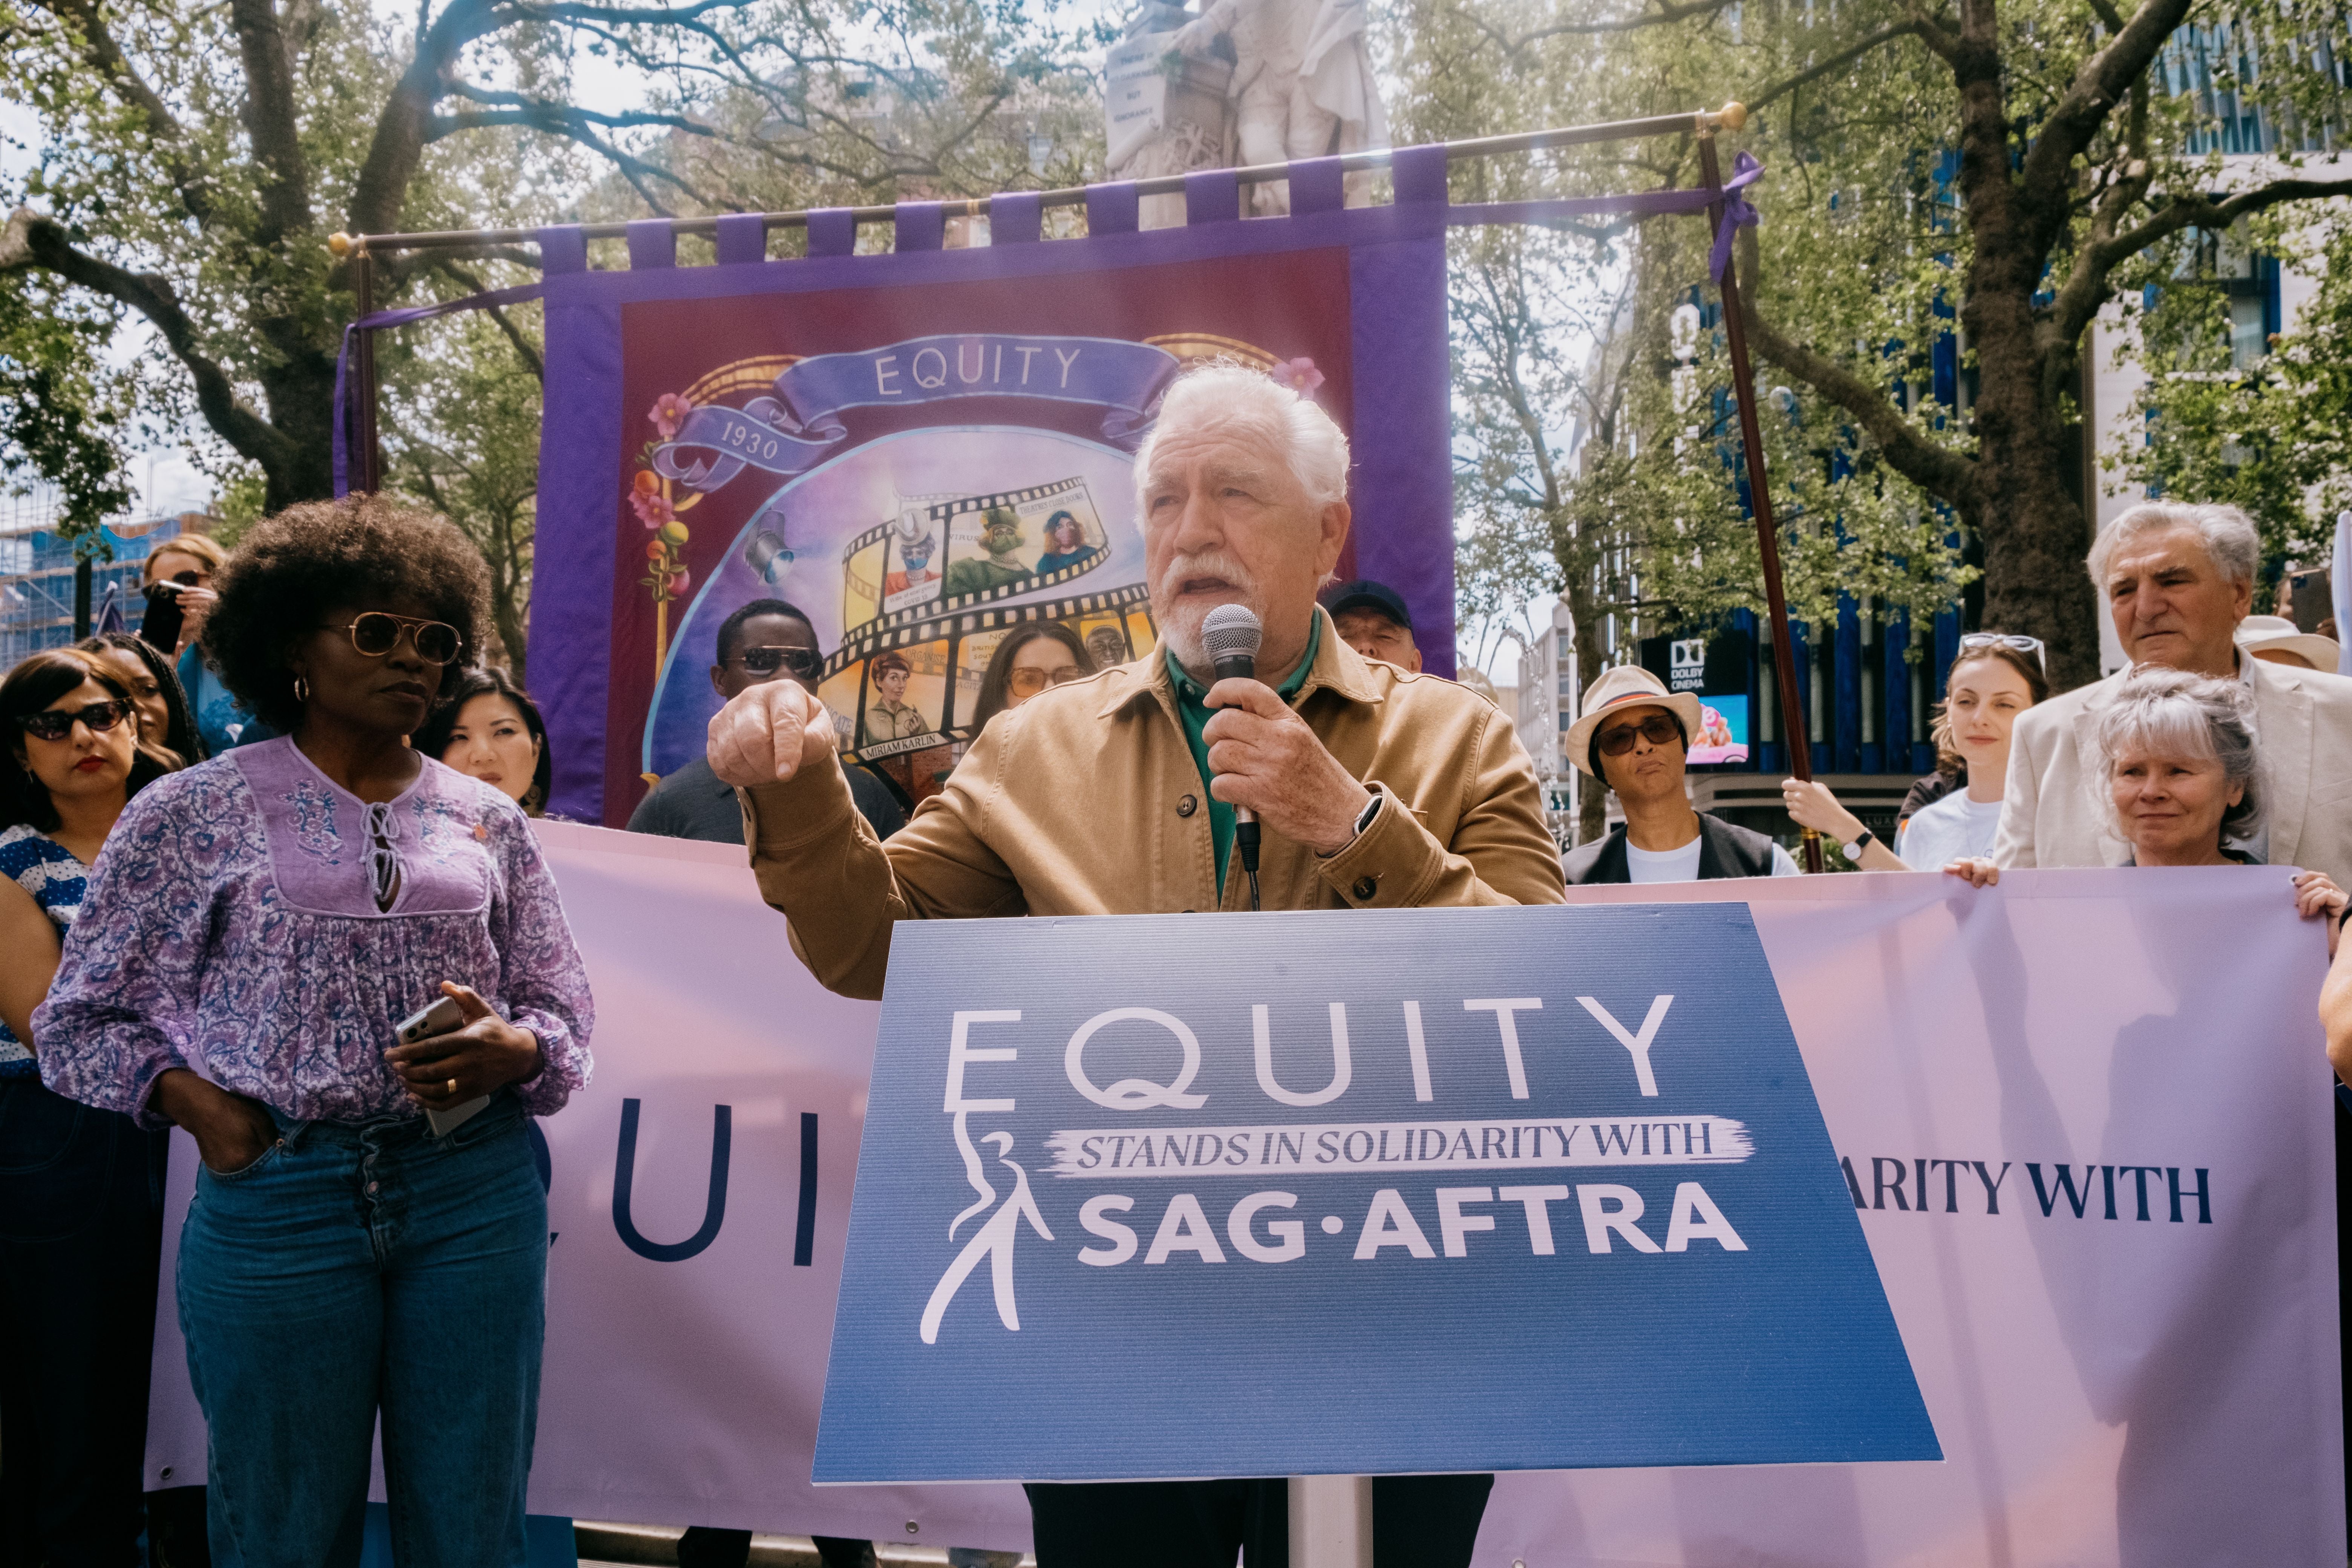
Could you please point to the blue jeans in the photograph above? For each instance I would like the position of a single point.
(359, 1268)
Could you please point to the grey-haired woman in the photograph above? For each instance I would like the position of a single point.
(2184, 783)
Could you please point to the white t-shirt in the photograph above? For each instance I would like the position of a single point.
(1682, 864)
(1942, 831)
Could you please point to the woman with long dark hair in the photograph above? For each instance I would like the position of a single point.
(1030, 658)
(165, 719)
(81, 1190)
(488, 727)
(347, 1256)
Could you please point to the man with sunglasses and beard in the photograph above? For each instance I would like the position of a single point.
(1634, 737)
(767, 639)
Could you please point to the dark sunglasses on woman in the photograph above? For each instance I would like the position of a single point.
(57, 723)
(376, 633)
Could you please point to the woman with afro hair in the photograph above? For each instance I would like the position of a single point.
(252, 937)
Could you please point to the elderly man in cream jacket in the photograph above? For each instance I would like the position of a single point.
(2177, 580)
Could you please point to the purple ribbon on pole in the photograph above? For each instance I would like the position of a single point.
(1737, 212)
(400, 318)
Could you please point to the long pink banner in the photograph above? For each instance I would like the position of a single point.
(2085, 1114)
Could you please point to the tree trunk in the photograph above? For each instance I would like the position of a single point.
(300, 399)
(2024, 501)
(1591, 795)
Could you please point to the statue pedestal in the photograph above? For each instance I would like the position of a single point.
(1165, 114)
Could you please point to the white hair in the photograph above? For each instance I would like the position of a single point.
(2176, 713)
(1226, 393)
(2229, 535)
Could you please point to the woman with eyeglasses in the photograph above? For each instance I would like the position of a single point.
(767, 639)
(252, 938)
(1995, 677)
(1030, 658)
(80, 1209)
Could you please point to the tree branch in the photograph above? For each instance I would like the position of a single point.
(572, 124)
(1917, 28)
(272, 123)
(1932, 469)
(2086, 289)
(1667, 13)
(2045, 183)
(104, 55)
(31, 240)
(523, 347)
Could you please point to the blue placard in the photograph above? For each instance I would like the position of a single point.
(1350, 1191)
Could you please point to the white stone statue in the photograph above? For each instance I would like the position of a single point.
(1300, 86)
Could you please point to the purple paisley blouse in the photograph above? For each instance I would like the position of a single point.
(231, 926)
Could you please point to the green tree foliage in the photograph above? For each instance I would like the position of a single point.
(2006, 170)
(62, 418)
(1596, 442)
(2274, 437)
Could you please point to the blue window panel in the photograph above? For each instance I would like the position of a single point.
(1845, 672)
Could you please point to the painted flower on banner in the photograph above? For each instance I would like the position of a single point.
(1299, 375)
(669, 411)
(652, 506)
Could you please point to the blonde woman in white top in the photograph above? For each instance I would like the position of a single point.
(1996, 676)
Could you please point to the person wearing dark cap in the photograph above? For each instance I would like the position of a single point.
(1633, 737)
(1372, 619)
(765, 640)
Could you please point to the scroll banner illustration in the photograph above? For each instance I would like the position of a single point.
(796, 426)
(2114, 1381)
(924, 451)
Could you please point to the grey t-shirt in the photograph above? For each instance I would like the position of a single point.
(692, 804)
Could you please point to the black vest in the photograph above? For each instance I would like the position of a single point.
(1725, 849)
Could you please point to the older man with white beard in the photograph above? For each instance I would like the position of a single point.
(1374, 788)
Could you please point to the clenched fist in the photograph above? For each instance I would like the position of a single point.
(768, 734)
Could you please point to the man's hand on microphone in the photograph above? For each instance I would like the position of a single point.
(768, 734)
(1263, 756)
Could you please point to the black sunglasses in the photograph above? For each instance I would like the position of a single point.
(769, 659)
(55, 723)
(377, 632)
(1657, 729)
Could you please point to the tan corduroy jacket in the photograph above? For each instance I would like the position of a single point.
(1084, 801)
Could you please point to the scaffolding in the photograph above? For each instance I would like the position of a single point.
(39, 567)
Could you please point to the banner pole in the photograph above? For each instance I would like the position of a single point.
(1797, 732)
(364, 396)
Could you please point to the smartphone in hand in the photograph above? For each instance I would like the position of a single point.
(439, 1018)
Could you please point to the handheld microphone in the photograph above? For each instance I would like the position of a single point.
(1229, 635)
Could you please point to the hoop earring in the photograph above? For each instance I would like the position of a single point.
(301, 690)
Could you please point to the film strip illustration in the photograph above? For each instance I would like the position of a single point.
(899, 689)
(941, 555)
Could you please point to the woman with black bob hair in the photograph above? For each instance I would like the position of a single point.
(369, 1235)
(165, 719)
(488, 727)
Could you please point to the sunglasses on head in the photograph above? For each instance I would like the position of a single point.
(1657, 729)
(377, 632)
(2022, 644)
(1029, 682)
(768, 658)
(57, 723)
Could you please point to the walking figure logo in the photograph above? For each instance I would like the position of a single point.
(994, 1240)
